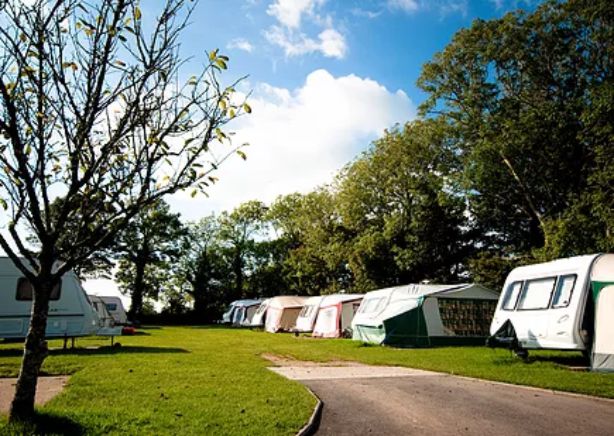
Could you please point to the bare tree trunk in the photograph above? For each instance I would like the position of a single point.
(35, 352)
(136, 305)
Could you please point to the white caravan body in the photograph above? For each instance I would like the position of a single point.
(106, 324)
(116, 309)
(550, 305)
(259, 316)
(307, 317)
(282, 312)
(335, 315)
(240, 312)
(70, 311)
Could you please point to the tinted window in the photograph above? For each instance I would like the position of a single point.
(111, 306)
(511, 296)
(25, 290)
(564, 289)
(536, 294)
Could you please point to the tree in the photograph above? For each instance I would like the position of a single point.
(528, 99)
(203, 269)
(238, 231)
(91, 112)
(100, 263)
(310, 230)
(403, 211)
(148, 249)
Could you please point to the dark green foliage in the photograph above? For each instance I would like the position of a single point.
(529, 98)
(148, 251)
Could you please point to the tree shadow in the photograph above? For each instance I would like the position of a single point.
(45, 424)
(105, 350)
(213, 327)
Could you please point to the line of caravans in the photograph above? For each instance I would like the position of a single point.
(566, 304)
(72, 313)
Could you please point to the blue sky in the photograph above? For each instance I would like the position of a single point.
(327, 77)
(385, 40)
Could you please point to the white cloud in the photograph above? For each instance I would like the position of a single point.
(404, 5)
(300, 138)
(330, 43)
(290, 12)
(241, 44)
(444, 7)
(288, 33)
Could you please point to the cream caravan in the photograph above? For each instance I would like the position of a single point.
(566, 304)
(70, 311)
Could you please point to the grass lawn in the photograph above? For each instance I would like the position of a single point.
(193, 380)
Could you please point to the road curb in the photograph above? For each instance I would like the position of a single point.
(314, 421)
(534, 388)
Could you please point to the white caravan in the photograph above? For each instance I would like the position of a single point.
(259, 318)
(106, 325)
(116, 309)
(240, 312)
(70, 311)
(282, 312)
(335, 315)
(566, 304)
(307, 317)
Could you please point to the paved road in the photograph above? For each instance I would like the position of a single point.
(375, 401)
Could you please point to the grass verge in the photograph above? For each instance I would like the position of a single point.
(206, 380)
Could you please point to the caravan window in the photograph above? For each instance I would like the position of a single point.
(536, 294)
(306, 311)
(25, 290)
(372, 305)
(511, 296)
(111, 307)
(564, 288)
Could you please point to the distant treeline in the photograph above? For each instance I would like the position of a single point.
(511, 161)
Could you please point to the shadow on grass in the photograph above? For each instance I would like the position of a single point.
(216, 327)
(12, 352)
(45, 424)
(571, 360)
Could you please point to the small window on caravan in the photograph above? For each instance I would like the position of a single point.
(25, 290)
(372, 305)
(536, 294)
(511, 296)
(306, 311)
(111, 307)
(261, 309)
(564, 288)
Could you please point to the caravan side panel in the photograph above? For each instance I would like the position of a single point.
(69, 316)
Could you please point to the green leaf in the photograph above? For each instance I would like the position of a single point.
(4, 204)
(243, 155)
(221, 63)
(247, 108)
(137, 13)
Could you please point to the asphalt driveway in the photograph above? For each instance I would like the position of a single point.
(365, 400)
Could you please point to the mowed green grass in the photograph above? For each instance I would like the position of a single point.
(193, 380)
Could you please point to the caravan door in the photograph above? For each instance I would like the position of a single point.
(603, 347)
